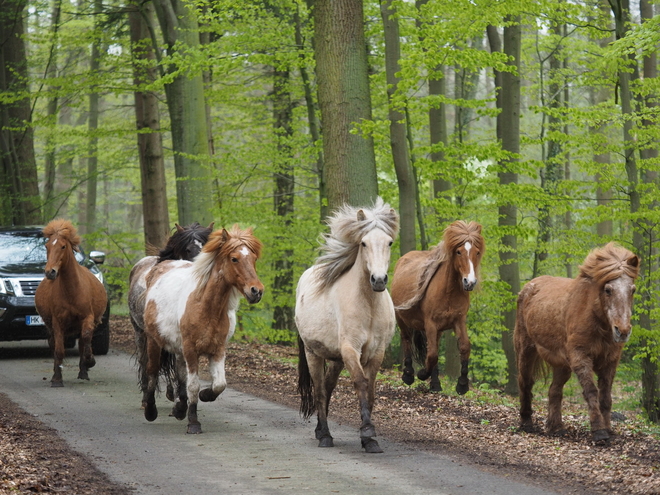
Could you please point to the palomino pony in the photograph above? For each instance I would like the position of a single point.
(190, 310)
(576, 325)
(71, 300)
(184, 244)
(345, 315)
(431, 293)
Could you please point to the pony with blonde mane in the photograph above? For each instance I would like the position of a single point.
(431, 294)
(576, 326)
(345, 315)
(71, 300)
(190, 310)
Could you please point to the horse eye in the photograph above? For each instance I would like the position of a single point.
(234, 260)
(459, 252)
(633, 289)
(608, 290)
(363, 244)
(391, 243)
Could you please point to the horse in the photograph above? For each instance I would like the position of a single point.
(190, 311)
(345, 315)
(70, 299)
(431, 294)
(576, 325)
(184, 244)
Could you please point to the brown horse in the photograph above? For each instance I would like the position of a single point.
(431, 293)
(576, 325)
(190, 310)
(70, 299)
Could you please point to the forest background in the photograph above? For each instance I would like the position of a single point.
(538, 119)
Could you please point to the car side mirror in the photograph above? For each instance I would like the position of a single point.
(97, 257)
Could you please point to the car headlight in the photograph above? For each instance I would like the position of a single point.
(6, 287)
(98, 275)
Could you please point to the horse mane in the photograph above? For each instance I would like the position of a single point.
(220, 244)
(608, 263)
(181, 238)
(455, 235)
(64, 229)
(348, 225)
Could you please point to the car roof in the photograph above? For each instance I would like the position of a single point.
(28, 229)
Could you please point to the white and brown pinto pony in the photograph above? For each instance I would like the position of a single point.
(431, 294)
(71, 300)
(190, 311)
(576, 325)
(345, 315)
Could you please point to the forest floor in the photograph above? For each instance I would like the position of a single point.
(480, 428)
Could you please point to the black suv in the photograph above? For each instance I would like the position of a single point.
(22, 261)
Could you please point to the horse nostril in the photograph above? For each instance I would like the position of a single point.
(254, 291)
(385, 279)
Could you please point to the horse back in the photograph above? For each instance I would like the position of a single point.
(407, 272)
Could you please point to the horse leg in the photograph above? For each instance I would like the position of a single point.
(85, 347)
(435, 386)
(554, 424)
(408, 375)
(322, 432)
(218, 378)
(432, 335)
(527, 357)
(180, 407)
(141, 352)
(583, 368)
(56, 342)
(605, 379)
(463, 384)
(152, 371)
(361, 384)
(369, 444)
(192, 387)
(330, 382)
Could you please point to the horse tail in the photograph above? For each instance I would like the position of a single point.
(419, 346)
(305, 385)
(168, 367)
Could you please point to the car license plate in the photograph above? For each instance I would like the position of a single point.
(33, 320)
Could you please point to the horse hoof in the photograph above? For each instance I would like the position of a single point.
(83, 376)
(90, 363)
(326, 442)
(435, 387)
(367, 431)
(150, 412)
(462, 388)
(560, 432)
(56, 383)
(194, 429)
(207, 395)
(423, 374)
(527, 427)
(601, 436)
(169, 393)
(408, 377)
(179, 411)
(371, 446)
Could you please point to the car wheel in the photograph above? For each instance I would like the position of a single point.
(101, 337)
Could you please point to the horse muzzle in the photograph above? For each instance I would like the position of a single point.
(51, 274)
(254, 295)
(378, 284)
(469, 285)
(620, 334)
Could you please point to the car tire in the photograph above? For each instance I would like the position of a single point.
(101, 337)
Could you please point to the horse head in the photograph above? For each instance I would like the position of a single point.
(238, 251)
(61, 240)
(186, 243)
(375, 249)
(466, 246)
(616, 299)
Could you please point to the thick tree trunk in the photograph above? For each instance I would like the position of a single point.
(398, 142)
(92, 126)
(150, 142)
(344, 101)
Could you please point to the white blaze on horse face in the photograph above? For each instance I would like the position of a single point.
(54, 242)
(472, 277)
(244, 251)
(198, 244)
(618, 296)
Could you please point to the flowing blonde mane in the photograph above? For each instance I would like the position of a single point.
(347, 228)
(608, 263)
(64, 229)
(220, 244)
(455, 235)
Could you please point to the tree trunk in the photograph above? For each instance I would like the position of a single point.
(185, 101)
(398, 142)
(19, 193)
(92, 126)
(344, 101)
(155, 214)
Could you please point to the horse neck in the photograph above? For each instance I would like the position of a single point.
(69, 276)
(216, 292)
(452, 278)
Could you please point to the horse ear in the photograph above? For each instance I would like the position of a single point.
(361, 216)
(633, 261)
(178, 227)
(210, 227)
(224, 236)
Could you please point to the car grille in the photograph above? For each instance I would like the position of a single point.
(29, 287)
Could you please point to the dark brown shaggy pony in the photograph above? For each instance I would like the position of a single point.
(71, 300)
(576, 325)
(431, 293)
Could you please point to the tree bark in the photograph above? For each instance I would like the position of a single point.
(344, 101)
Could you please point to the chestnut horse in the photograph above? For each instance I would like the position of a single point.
(71, 300)
(190, 310)
(184, 244)
(576, 325)
(431, 293)
(345, 315)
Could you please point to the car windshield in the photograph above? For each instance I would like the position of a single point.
(18, 248)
